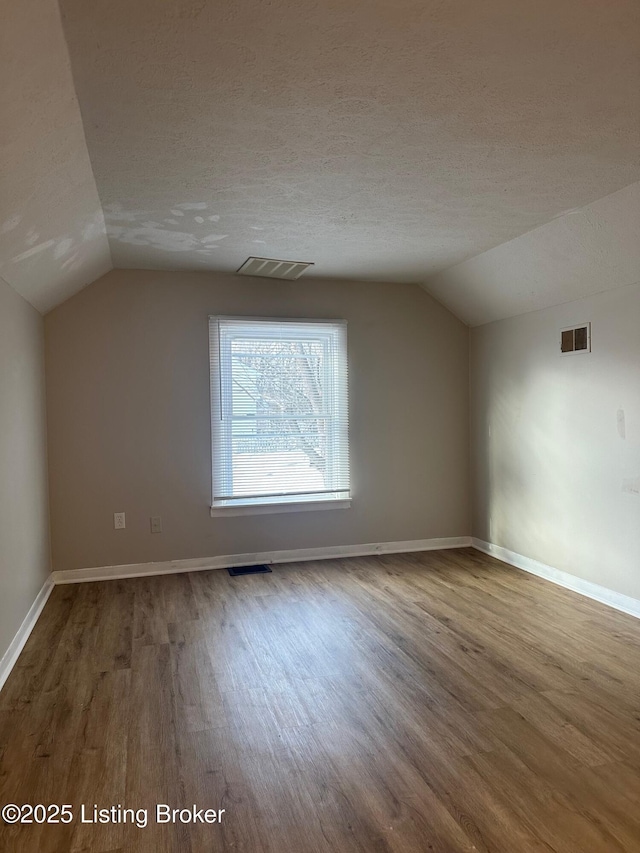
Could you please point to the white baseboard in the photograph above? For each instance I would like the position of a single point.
(591, 590)
(28, 623)
(299, 555)
(617, 600)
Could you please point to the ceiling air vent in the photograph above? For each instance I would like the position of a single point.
(575, 339)
(271, 268)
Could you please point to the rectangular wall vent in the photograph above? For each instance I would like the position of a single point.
(272, 268)
(575, 339)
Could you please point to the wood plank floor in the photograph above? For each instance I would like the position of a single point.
(424, 702)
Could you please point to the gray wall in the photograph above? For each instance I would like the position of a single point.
(128, 416)
(556, 439)
(24, 520)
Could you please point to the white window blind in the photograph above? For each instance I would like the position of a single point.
(279, 411)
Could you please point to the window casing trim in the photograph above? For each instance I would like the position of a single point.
(275, 508)
(337, 498)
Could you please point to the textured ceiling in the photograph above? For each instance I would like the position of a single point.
(52, 230)
(587, 251)
(385, 139)
(381, 140)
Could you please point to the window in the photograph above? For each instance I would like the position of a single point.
(279, 413)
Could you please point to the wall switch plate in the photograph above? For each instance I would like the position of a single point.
(156, 524)
(118, 520)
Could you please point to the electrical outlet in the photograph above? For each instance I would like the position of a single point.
(156, 524)
(118, 520)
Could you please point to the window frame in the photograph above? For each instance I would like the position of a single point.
(221, 442)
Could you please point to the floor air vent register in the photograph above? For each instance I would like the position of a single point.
(248, 570)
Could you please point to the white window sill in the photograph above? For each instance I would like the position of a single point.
(269, 509)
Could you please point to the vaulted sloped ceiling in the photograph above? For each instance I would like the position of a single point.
(52, 231)
(586, 251)
(386, 139)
